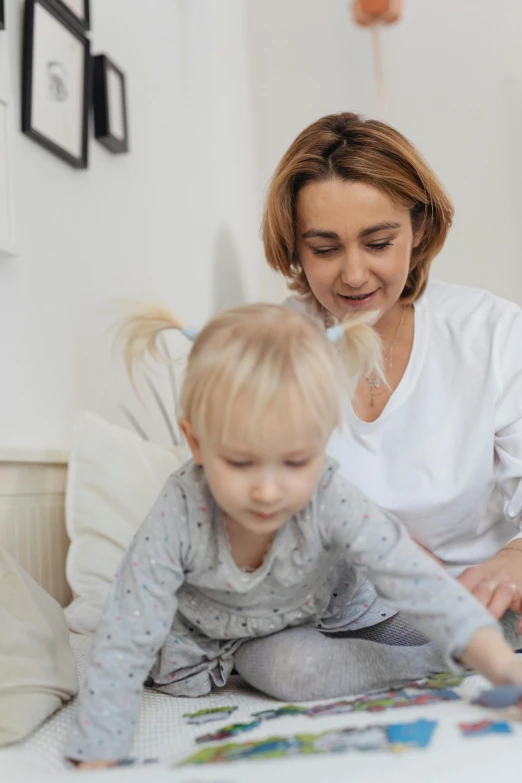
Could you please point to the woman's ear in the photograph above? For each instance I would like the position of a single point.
(417, 237)
(193, 442)
(417, 225)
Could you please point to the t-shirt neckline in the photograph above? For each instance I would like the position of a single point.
(408, 380)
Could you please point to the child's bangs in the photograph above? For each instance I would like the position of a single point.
(290, 415)
(286, 398)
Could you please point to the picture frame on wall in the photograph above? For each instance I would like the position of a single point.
(8, 245)
(78, 11)
(110, 105)
(2, 15)
(55, 82)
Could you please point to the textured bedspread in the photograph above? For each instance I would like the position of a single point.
(165, 734)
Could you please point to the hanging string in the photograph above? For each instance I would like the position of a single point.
(373, 14)
(378, 71)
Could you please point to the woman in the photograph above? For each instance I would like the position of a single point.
(354, 217)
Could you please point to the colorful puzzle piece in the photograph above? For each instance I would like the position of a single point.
(502, 696)
(281, 712)
(484, 727)
(417, 734)
(209, 715)
(395, 737)
(442, 680)
(383, 701)
(229, 731)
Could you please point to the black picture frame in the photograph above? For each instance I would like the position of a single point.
(2, 15)
(112, 132)
(82, 22)
(29, 123)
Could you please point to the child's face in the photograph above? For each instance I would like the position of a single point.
(260, 485)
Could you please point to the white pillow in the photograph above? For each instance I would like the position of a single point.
(114, 479)
(37, 666)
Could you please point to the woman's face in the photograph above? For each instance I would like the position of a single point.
(355, 245)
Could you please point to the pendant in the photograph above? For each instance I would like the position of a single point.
(374, 384)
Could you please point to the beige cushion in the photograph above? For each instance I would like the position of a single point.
(113, 481)
(37, 667)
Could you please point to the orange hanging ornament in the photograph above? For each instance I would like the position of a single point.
(373, 14)
(368, 12)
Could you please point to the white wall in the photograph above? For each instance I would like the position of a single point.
(453, 72)
(173, 221)
(217, 90)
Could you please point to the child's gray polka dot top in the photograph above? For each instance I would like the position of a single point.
(179, 607)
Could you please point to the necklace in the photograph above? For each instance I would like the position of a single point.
(373, 380)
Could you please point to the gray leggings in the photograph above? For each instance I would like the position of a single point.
(301, 664)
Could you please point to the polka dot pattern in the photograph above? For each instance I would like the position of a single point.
(181, 607)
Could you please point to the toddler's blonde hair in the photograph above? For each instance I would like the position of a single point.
(263, 355)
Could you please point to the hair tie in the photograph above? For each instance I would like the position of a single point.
(190, 332)
(335, 333)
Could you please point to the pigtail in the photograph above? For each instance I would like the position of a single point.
(137, 333)
(360, 348)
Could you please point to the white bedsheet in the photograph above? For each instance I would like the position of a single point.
(163, 733)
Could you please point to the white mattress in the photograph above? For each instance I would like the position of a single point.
(164, 734)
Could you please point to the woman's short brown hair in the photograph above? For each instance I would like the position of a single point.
(355, 149)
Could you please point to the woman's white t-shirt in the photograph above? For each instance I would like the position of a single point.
(445, 456)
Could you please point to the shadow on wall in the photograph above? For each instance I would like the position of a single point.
(514, 169)
(227, 283)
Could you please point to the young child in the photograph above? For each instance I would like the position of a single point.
(246, 538)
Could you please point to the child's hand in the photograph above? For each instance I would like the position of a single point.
(513, 675)
(83, 766)
(490, 655)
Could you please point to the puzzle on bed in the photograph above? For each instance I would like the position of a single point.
(377, 702)
(442, 684)
(392, 738)
(442, 680)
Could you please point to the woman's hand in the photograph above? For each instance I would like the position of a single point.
(497, 583)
